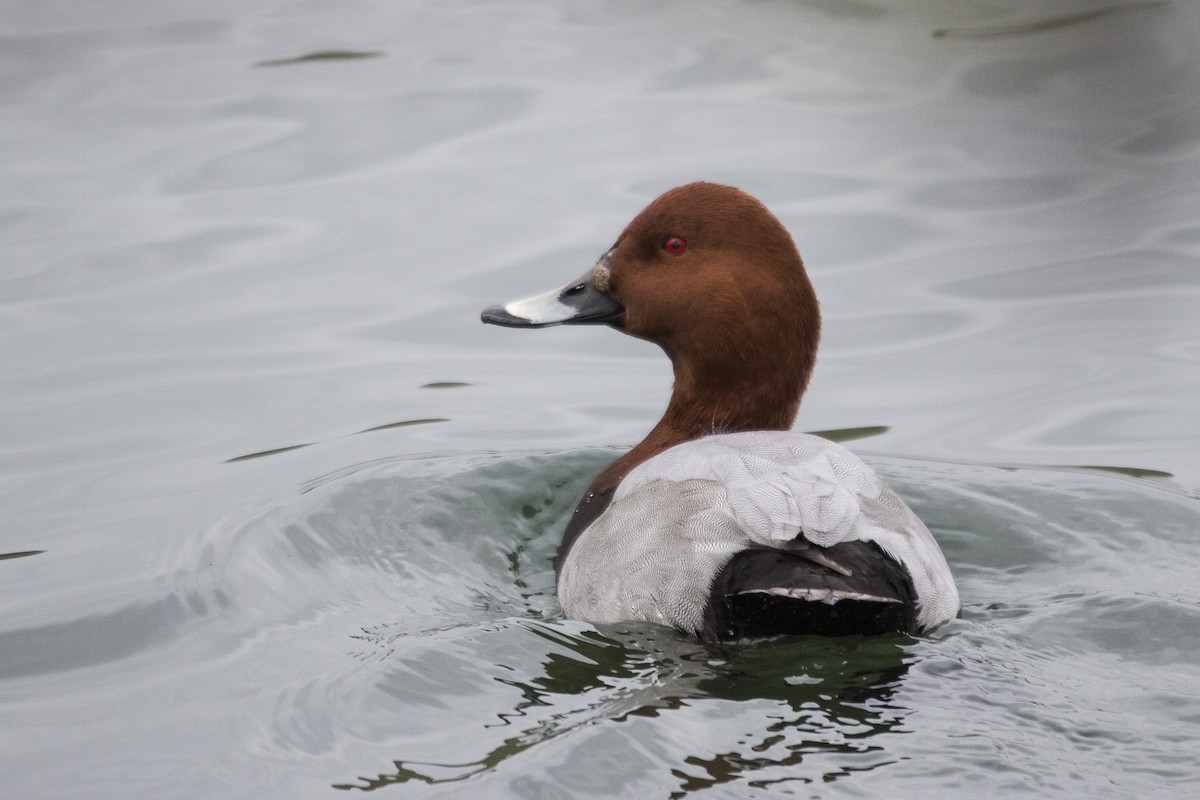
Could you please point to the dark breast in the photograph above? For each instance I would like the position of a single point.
(591, 506)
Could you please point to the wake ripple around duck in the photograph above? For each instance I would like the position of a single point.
(395, 622)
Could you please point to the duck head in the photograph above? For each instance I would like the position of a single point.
(711, 276)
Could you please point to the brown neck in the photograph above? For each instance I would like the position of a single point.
(751, 397)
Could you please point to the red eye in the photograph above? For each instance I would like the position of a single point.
(674, 245)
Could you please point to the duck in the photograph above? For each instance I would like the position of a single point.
(723, 522)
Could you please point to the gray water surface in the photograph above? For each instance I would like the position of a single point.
(279, 512)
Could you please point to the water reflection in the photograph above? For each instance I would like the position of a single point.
(1049, 23)
(320, 55)
(814, 695)
(205, 259)
(96, 639)
(471, 675)
(21, 554)
(387, 426)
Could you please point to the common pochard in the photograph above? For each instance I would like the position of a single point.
(723, 522)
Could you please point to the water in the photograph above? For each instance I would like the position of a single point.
(279, 511)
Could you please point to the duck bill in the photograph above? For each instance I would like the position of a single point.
(584, 301)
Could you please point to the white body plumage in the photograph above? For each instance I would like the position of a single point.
(677, 519)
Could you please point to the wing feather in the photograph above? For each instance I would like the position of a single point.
(779, 486)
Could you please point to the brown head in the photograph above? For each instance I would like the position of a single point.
(710, 275)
